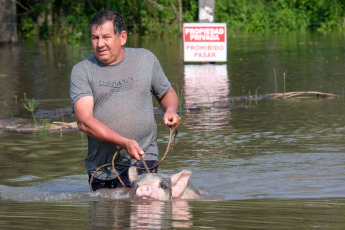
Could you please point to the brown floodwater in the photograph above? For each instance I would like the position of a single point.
(260, 162)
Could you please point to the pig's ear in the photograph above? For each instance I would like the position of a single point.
(179, 183)
(132, 173)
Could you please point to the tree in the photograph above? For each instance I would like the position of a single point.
(8, 22)
(172, 8)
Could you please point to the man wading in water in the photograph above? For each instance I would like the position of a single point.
(111, 94)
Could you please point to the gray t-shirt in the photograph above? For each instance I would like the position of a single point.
(122, 101)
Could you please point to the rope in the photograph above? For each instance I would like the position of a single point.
(144, 163)
(169, 148)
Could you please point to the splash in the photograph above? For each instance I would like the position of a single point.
(67, 189)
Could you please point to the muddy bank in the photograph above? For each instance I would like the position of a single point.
(26, 125)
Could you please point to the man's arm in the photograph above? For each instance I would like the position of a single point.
(169, 104)
(83, 110)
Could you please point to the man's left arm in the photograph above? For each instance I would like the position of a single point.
(169, 104)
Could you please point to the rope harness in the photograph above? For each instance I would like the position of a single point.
(169, 147)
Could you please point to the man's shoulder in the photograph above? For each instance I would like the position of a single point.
(86, 62)
(139, 51)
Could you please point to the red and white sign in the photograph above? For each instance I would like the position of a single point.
(204, 42)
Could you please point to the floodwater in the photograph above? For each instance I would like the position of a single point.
(261, 163)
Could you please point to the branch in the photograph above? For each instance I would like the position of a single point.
(21, 5)
(159, 5)
(173, 8)
(92, 7)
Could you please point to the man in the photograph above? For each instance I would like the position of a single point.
(111, 94)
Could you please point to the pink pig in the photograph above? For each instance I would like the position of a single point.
(160, 187)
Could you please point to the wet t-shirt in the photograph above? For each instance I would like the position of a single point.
(122, 101)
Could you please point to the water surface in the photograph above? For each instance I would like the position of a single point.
(269, 164)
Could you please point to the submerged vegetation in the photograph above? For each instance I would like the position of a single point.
(30, 105)
(69, 19)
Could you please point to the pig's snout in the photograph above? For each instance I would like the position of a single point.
(144, 191)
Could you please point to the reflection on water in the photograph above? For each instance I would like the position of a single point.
(268, 164)
(205, 84)
(157, 215)
(132, 214)
(208, 120)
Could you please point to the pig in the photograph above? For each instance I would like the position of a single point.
(156, 186)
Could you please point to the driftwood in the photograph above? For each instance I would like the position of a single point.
(303, 93)
(63, 125)
(22, 125)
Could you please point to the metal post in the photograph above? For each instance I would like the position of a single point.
(206, 11)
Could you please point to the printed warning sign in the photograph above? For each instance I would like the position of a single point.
(204, 42)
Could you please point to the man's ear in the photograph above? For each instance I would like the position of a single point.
(132, 173)
(123, 37)
(179, 183)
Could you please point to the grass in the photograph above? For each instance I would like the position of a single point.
(43, 128)
(275, 80)
(30, 105)
(180, 98)
(8, 108)
(284, 76)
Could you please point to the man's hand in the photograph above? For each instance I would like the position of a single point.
(83, 110)
(169, 103)
(172, 119)
(133, 149)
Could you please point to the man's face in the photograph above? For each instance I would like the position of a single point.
(106, 45)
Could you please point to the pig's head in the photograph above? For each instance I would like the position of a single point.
(158, 187)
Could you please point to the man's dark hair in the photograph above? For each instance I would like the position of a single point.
(108, 15)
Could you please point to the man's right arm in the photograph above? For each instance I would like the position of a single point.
(87, 123)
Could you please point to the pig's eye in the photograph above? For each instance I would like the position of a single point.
(162, 185)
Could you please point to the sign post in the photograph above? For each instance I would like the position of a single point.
(204, 42)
